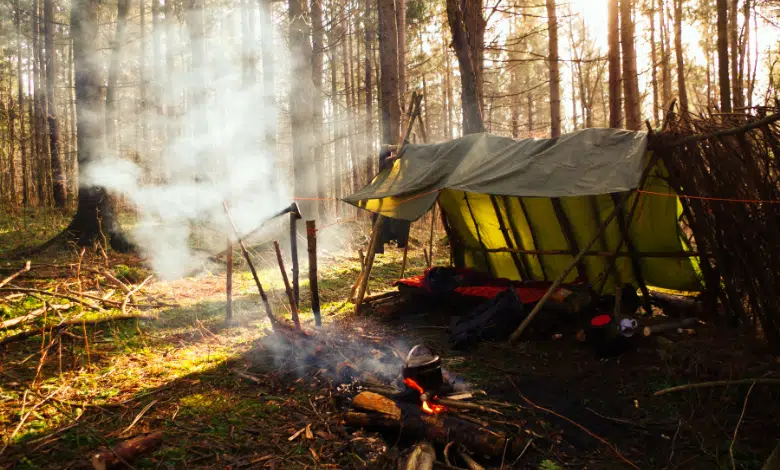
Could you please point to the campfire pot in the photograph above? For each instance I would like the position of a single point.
(424, 367)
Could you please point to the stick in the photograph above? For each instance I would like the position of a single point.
(290, 294)
(14, 275)
(361, 292)
(520, 329)
(311, 246)
(716, 383)
(33, 315)
(737, 130)
(654, 329)
(294, 255)
(466, 405)
(135, 289)
(74, 322)
(471, 464)
(241, 244)
(430, 239)
(736, 429)
(55, 294)
(229, 283)
(403, 262)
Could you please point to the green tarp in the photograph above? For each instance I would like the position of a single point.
(499, 194)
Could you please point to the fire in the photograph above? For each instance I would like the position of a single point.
(430, 408)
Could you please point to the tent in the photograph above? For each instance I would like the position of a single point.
(522, 209)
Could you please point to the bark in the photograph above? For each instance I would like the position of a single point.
(681, 90)
(555, 76)
(338, 132)
(400, 17)
(369, 94)
(11, 113)
(249, 62)
(723, 56)
(301, 103)
(94, 213)
(123, 7)
(388, 56)
(39, 124)
(654, 67)
(733, 25)
(744, 51)
(475, 29)
(20, 102)
(630, 78)
(615, 97)
(59, 182)
(317, 117)
(170, 68)
(470, 84)
(447, 96)
(269, 75)
(666, 55)
(352, 105)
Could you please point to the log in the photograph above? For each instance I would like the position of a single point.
(370, 401)
(127, 451)
(676, 305)
(311, 246)
(422, 457)
(37, 313)
(68, 323)
(673, 325)
(471, 464)
(16, 274)
(290, 294)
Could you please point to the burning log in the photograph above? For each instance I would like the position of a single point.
(371, 401)
(422, 457)
(125, 452)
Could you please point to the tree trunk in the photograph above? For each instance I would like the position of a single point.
(666, 56)
(94, 213)
(39, 124)
(317, 117)
(683, 93)
(388, 56)
(555, 76)
(470, 92)
(654, 67)
(630, 78)
(744, 50)
(447, 96)
(112, 116)
(301, 103)
(269, 74)
(613, 37)
(400, 16)
(337, 125)
(59, 182)
(20, 102)
(723, 56)
(353, 105)
(733, 25)
(248, 63)
(11, 112)
(369, 94)
(475, 30)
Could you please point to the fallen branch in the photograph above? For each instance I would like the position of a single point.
(65, 324)
(716, 383)
(128, 450)
(736, 429)
(570, 421)
(466, 405)
(16, 274)
(37, 313)
(422, 457)
(133, 291)
(53, 294)
(24, 418)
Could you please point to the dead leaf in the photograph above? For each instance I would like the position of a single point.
(297, 433)
(309, 435)
(314, 454)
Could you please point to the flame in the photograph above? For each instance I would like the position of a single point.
(430, 408)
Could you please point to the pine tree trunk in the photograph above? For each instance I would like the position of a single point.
(20, 102)
(666, 56)
(723, 56)
(369, 94)
(469, 67)
(744, 50)
(123, 7)
(681, 90)
(59, 182)
(269, 74)
(337, 125)
(248, 62)
(529, 108)
(38, 120)
(11, 112)
(400, 15)
(317, 116)
(733, 25)
(555, 76)
(447, 96)
(615, 97)
(630, 78)
(475, 29)
(654, 67)
(388, 56)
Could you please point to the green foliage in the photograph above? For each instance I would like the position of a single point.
(416, 11)
(549, 465)
(130, 274)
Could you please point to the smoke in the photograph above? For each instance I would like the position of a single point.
(206, 142)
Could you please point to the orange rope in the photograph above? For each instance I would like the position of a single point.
(703, 198)
(337, 223)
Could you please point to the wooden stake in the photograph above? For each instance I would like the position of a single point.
(520, 329)
(229, 283)
(366, 273)
(403, 262)
(430, 239)
(290, 294)
(248, 259)
(294, 255)
(311, 246)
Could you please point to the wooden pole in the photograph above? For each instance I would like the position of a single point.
(229, 283)
(361, 292)
(294, 255)
(573, 264)
(248, 259)
(290, 294)
(430, 239)
(311, 246)
(403, 262)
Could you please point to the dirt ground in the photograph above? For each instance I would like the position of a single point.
(226, 396)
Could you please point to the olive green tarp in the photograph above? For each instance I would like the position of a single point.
(499, 193)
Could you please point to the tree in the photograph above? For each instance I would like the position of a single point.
(400, 16)
(613, 37)
(555, 76)
(736, 54)
(20, 102)
(318, 33)
(723, 56)
(654, 60)
(681, 90)
(123, 8)
(94, 215)
(630, 80)
(369, 95)
(269, 75)
(59, 183)
(470, 83)
(388, 56)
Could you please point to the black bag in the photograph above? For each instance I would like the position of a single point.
(491, 320)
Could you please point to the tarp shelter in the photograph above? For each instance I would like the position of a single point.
(521, 209)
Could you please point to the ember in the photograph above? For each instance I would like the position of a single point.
(430, 408)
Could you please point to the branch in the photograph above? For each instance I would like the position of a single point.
(65, 324)
(14, 275)
(716, 383)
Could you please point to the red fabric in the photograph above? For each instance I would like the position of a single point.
(600, 320)
(528, 292)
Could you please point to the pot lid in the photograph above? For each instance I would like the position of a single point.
(420, 355)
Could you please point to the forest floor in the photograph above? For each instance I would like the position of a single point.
(225, 398)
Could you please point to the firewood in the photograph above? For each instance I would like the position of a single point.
(660, 328)
(422, 457)
(471, 464)
(126, 451)
(370, 401)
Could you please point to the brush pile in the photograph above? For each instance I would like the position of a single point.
(728, 164)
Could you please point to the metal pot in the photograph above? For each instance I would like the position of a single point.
(424, 367)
